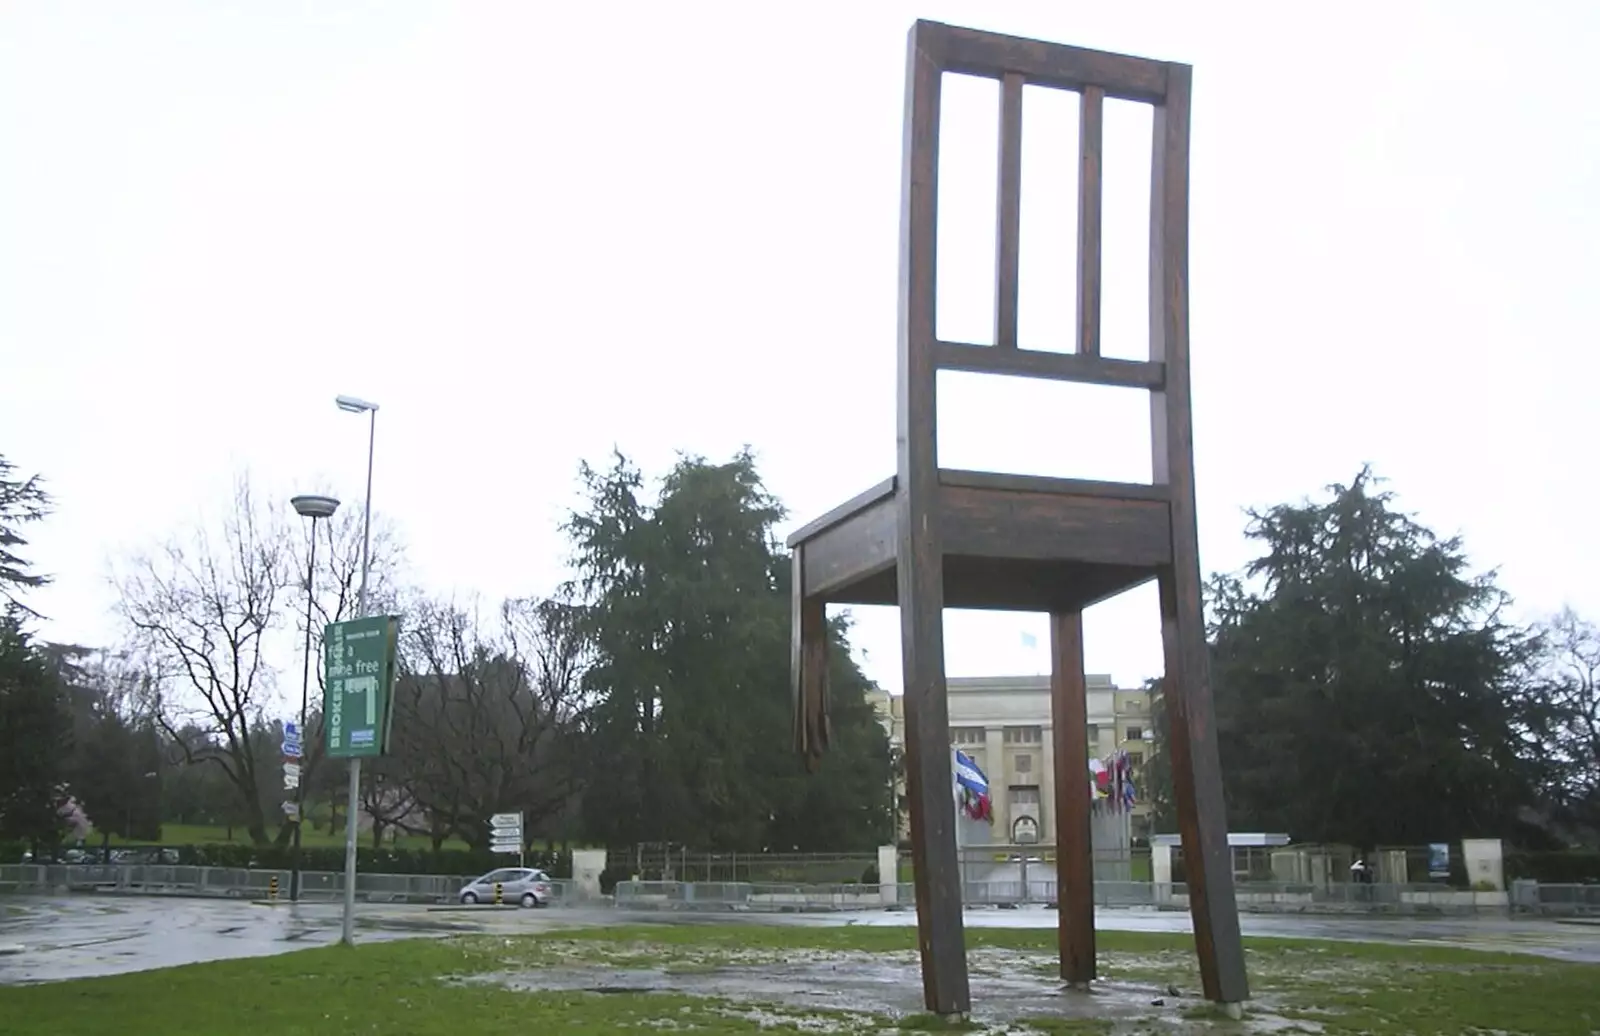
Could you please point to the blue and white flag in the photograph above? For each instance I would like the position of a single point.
(972, 788)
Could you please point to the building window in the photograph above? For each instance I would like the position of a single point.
(1024, 794)
(1135, 733)
(1022, 763)
(1024, 735)
(1094, 734)
(966, 735)
(1136, 759)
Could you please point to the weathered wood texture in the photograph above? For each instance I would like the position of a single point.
(930, 538)
(1009, 221)
(809, 668)
(1091, 122)
(1197, 767)
(919, 560)
(1069, 721)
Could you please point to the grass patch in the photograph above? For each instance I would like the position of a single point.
(417, 987)
(935, 1023)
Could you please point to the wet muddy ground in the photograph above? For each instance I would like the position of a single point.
(52, 938)
(853, 992)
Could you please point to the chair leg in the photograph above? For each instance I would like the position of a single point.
(1197, 790)
(1069, 719)
(930, 786)
(808, 663)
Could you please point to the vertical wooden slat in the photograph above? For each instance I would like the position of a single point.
(1009, 221)
(797, 687)
(1192, 737)
(808, 665)
(920, 561)
(1069, 718)
(1091, 117)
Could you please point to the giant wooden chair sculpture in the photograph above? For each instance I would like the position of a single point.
(931, 537)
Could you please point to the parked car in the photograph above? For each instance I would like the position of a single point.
(64, 856)
(524, 885)
(145, 854)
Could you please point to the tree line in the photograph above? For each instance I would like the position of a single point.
(1370, 685)
(644, 701)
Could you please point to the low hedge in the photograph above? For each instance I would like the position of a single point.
(1561, 867)
(457, 862)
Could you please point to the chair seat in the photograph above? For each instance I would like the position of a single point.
(1011, 542)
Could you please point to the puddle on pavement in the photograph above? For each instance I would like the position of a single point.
(1007, 987)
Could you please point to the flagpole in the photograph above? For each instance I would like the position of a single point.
(955, 805)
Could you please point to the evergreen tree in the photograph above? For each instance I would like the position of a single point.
(35, 740)
(22, 502)
(1368, 688)
(687, 608)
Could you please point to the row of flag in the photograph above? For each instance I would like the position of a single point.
(1110, 785)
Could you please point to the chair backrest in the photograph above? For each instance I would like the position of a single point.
(1095, 75)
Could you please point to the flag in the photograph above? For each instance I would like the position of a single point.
(972, 788)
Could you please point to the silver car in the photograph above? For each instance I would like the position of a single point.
(524, 885)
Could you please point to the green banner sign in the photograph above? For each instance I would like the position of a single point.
(358, 681)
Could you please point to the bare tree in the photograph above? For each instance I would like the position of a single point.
(336, 595)
(486, 712)
(1570, 706)
(201, 611)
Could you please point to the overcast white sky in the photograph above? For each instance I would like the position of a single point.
(534, 231)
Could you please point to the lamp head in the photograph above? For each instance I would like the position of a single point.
(314, 507)
(353, 405)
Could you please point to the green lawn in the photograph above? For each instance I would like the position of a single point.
(414, 987)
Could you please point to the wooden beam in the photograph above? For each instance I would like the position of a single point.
(1006, 482)
(814, 677)
(800, 721)
(1069, 719)
(859, 502)
(971, 52)
(860, 546)
(1009, 219)
(1035, 363)
(1091, 116)
(1192, 737)
(808, 668)
(919, 565)
(1049, 527)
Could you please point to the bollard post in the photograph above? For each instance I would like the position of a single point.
(272, 888)
(497, 893)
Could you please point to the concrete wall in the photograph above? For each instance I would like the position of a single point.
(1485, 862)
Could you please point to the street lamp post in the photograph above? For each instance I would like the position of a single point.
(312, 507)
(352, 405)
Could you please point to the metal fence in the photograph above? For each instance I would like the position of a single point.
(1253, 897)
(239, 883)
(1027, 887)
(1555, 900)
(662, 863)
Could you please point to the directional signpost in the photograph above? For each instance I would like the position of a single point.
(358, 693)
(293, 751)
(505, 834)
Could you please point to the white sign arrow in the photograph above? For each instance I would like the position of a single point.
(506, 820)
